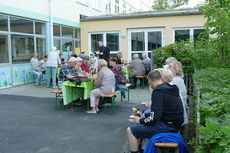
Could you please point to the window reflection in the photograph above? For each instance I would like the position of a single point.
(21, 25)
(41, 47)
(3, 23)
(95, 38)
(40, 28)
(4, 57)
(112, 41)
(182, 35)
(138, 41)
(67, 45)
(67, 32)
(22, 48)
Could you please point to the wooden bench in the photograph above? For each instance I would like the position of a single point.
(113, 99)
(160, 145)
(141, 77)
(58, 94)
(127, 85)
(166, 145)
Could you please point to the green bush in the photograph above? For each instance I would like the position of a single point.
(214, 84)
(182, 51)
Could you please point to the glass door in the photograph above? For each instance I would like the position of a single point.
(144, 41)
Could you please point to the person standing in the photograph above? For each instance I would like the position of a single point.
(51, 66)
(35, 69)
(104, 51)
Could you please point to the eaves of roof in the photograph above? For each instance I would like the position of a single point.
(142, 14)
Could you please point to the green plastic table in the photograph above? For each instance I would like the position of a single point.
(72, 91)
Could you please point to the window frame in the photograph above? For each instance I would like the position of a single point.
(61, 38)
(105, 41)
(191, 32)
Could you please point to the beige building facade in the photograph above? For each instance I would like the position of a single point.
(140, 33)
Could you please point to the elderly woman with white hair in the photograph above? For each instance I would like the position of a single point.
(51, 66)
(167, 76)
(147, 63)
(136, 67)
(104, 84)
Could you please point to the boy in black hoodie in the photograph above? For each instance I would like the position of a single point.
(166, 112)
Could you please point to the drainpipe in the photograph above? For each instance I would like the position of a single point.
(50, 26)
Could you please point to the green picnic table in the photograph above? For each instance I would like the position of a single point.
(71, 91)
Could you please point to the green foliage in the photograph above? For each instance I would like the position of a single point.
(167, 5)
(214, 84)
(218, 19)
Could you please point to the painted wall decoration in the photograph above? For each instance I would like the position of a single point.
(21, 74)
(5, 77)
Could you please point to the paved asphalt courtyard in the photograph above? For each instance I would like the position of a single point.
(32, 125)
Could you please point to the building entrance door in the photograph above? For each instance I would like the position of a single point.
(144, 41)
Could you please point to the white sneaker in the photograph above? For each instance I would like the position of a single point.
(91, 112)
(97, 110)
(55, 87)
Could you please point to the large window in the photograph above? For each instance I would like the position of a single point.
(21, 25)
(4, 57)
(41, 47)
(67, 32)
(22, 48)
(182, 35)
(66, 39)
(109, 39)
(112, 41)
(187, 34)
(154, 40)
(27, 36)
(40, 28)
(3, 23)
(95, 38)
(138, 41)
(144, 41)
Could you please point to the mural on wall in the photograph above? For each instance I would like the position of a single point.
(22, 75)
(5, 77)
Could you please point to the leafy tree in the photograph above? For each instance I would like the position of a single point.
(217, 13)
(168, 4)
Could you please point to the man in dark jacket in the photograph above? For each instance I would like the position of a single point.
(104, 51)
(166, 112)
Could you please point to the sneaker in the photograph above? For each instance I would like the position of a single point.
(91, 112)
(97, 110)
(55, 87)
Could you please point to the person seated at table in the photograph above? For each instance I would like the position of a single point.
(166, 112)
(63, 61)
(118, 72)
(85, 64)
(104, 84)
(136, 67)
(36, 70)
(177, 71)
(73, 54)
(67, 71)
(94, 60)
(119, 56)
(147, 63)
(78, 66)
